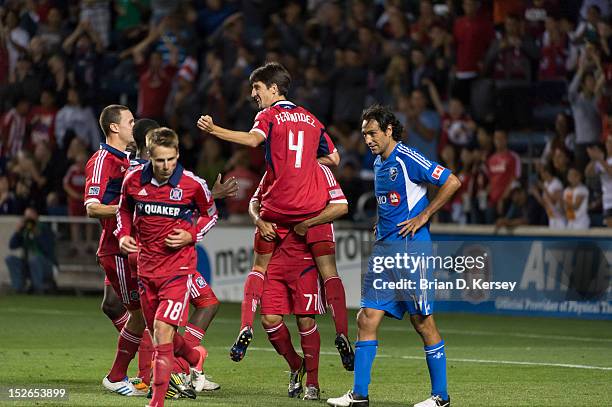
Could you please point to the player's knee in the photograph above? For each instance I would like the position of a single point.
(424, 325)
(112, 309)
(364, 322)
(163, 332)
(271, 320)
(305, 322)
(136, 322)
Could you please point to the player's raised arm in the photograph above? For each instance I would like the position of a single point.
(252, 138)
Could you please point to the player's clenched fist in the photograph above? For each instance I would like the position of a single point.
(127, 244)
(205, 123)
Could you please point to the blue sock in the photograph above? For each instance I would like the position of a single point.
(365, 352)
(436, 363)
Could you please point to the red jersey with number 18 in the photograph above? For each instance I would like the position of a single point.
(294, 139)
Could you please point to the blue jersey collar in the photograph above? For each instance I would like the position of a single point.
(113, 150)
(147, 175)
(283, 103)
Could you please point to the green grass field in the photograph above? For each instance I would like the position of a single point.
(492, 361)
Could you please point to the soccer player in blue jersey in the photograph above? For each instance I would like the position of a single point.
(401, 178)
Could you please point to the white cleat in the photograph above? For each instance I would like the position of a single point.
(123, 387)
(199, 382)
(349, 400)
(434, 401)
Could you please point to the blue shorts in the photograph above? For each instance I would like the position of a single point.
(397, 289)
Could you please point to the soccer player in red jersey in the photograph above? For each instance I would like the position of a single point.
(166, 209)
(292, 286)
(295, 142)
(105, 171)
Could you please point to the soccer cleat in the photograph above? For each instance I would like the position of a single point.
(434, 401)
(178, 384)
(349, 400)
(311, 393)
(123, 387)
(200, 382)
(239, 348)
(295, 381)
(346, 352)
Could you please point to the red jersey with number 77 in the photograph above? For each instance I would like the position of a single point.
(294, 139)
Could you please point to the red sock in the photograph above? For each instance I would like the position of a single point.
(311, 346)
(193, 335)
(162, 368)
(253, 288)
(180, 365)
(182, 348)
(127, 346)
(145, 357)
(280, 338)
(334, 294)
(120, 322)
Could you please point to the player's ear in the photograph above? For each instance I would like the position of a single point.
(389, 131)
(114, 127)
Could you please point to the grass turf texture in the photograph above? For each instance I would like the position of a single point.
(67, 342)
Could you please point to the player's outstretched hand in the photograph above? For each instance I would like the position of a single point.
(410, 226)
(127, 244)
(178, 238)
(267, 230)
(226, 189)
(205, 123)
(301, 228)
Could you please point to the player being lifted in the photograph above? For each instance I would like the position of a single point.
(104, 174)
(292, 286)
(294, 141)
(159, 205)
(400, 183)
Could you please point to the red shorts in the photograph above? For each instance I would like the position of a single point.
(133, 262)
(118, 275)
(165, 299)
(315, 234)
(202, 295)
(292, 290)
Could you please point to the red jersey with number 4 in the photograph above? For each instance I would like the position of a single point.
(152, 211)
(104, 174)
(294, 139)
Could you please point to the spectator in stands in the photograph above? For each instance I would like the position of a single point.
(154, 83)
(548, 192)
(238, 167)
(41, 119)
(518, 211)
(16, 40)
(211, 162)
(7, 198)
(563, 137)
(78, 118)
(462, 202)
(97, 14)
(84, 47)
(472, 34)
(58, 80)
(584, 93)
(37, 242)
(509, 61)
(560, 163)
(576, 201)
(601, 165)
(504, 170)
(422, 124)
(52, 31)
(13, 129)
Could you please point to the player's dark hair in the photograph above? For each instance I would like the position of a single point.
(162, 137)
(272, 73)
(385, 118)
(140, 130)
(111, 114)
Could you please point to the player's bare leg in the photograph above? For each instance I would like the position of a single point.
(311, 348)
(253, 288)
(336, 300)
(280, 338)
(435, 356)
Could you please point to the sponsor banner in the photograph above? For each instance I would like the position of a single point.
(564, 277)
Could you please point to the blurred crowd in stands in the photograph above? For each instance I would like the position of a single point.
(512, 95)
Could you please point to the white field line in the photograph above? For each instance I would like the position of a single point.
(492, 361)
